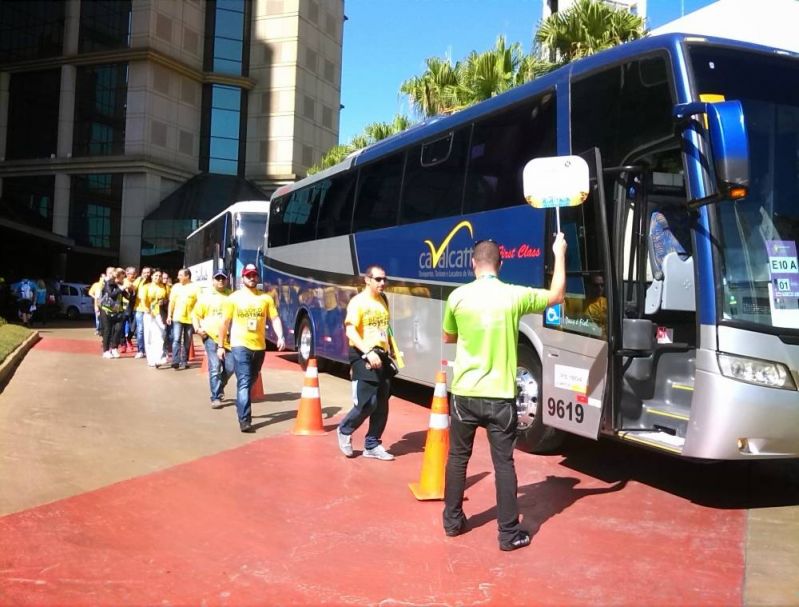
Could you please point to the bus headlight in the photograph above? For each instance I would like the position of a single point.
(754, 371)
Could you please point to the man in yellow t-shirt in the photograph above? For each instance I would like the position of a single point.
(208, 317)
(367, 328)
(182, 299)
(245, 323)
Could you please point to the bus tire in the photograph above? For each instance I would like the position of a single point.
(306, 346)
(533, 436)
(73, 313)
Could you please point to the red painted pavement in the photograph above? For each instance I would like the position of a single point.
(287, 520)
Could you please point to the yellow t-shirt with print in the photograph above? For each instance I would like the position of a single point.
(210, 312)
(248, 313)
(153, 296)
(370, 318)
(182, 299)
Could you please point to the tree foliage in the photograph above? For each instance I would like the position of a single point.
(588, 27)
(444, 87)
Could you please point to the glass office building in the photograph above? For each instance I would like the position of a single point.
(124, 124)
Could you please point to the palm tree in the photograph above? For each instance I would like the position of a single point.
(372, 133)
(432, 92)
(588, 27)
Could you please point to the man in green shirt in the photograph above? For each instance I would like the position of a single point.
(482, 317)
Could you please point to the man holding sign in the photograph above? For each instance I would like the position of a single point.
(482, 317)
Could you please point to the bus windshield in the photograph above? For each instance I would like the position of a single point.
(250, 236)
(758, 234)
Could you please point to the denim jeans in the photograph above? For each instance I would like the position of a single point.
(498, 417)
(140, 331)
(182, 334)
(247, 365)
(219, 372)
(370, 399)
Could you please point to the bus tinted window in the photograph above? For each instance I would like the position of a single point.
(301, 214)
(278, 229)
(378, 194)
(434, 174)
(622, 110)
(336, 196)
(501, 147)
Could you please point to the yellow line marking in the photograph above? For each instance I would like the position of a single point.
(682, 387)
(436, 254)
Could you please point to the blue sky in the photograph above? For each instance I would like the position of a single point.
(387, 42)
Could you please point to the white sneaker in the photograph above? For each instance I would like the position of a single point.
(139, 355)
(163, 361)
(115, 353)
(344, 443)
(107, 354)
(378, 453)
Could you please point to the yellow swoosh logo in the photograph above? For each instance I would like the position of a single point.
(436, 254)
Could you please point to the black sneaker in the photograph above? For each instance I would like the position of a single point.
(175, 365)
(247, 428)
(457, 530)
(521, 541)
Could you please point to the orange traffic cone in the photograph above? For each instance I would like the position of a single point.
(257, 388)
(204, 366)
(192, 356)
(436, 447)
(309, 414)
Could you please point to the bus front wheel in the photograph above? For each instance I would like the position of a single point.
(305, 342)
(532, 434)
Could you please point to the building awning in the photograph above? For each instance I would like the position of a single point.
(205, 196)
(63, 241)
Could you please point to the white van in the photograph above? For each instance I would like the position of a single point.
(75, 300)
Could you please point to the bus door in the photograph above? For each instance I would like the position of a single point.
(576, 333)
(656, 348)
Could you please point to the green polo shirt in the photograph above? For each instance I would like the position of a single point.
(485, 315)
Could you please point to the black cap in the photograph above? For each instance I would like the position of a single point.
(220, 274)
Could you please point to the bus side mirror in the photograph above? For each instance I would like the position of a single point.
(557, 181)
(729, 145)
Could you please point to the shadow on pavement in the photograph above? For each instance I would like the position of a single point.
(724, 484)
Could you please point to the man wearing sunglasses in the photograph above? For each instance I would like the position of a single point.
(367, 327)
(482, 317)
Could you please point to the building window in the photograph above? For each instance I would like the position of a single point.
(29, 200)
(95, 209)
(100, 110)
(224, 130)
(33, 94)
(104, 25)
(31, 30)
(228, 37)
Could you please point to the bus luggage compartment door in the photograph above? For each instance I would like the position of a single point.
(574, 374)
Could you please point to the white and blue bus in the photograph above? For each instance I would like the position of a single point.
(680, 328)
(228, 242)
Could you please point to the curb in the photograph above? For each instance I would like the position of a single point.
(11, 362)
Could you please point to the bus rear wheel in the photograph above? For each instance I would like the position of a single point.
(532, 434)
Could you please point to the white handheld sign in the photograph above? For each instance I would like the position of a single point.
(555, 182)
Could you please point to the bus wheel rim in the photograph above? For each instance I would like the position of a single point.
(305, 343)
(526, 396)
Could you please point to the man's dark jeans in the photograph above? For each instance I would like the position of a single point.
(182, 334)
(248, 365)
(219, 372)
(498, 417)
(370, 399)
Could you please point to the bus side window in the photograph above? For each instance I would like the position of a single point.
(378, 194)
(301, 214)
(278, 229)
(434, 174)
(501, 145)
(335, 205)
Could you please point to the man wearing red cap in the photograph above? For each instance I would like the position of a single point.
(245, 326)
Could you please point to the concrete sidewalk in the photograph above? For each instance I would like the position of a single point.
(121, 486)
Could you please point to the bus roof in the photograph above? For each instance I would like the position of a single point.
(245, 206)
(439, 125)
